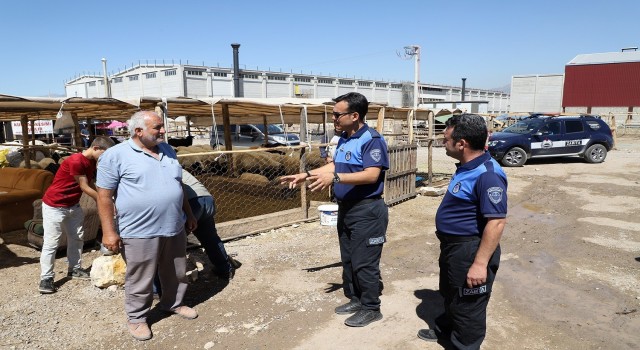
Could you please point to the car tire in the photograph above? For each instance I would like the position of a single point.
(595, 153)
(515, 156)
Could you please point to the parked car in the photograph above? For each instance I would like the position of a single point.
(248, 135)
(552, 136)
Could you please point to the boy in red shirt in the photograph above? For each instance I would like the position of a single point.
(61, 213)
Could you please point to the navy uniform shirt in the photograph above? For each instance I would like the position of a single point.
(365, 149)
(477, 192)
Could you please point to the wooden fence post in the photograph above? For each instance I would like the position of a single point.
(26, 151)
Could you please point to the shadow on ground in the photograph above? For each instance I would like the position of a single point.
(431, 310)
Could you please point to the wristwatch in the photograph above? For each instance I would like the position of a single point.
(336, 178)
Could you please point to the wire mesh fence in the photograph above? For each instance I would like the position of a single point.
(245, 183)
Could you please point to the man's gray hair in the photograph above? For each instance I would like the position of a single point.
(137, 121)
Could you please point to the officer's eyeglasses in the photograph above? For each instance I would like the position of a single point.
(337, 115)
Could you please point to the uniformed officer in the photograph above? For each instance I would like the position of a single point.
(469, 224)
(357, 173)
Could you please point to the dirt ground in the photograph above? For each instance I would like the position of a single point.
(569, 278)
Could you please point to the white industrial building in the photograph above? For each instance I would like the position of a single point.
(536, 93)
(171, 80)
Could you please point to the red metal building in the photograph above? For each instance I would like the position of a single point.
(603, 80)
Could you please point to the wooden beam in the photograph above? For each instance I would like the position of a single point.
(227, 127)
(410, 118)
(33, 132)
(380, 121)
(77, 139)
(304, 200)
(431, 118)
(26, 152)
(266, 131)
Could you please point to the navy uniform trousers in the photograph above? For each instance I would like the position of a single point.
(465, 308)
(361, 232)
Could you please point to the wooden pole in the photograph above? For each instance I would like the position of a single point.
(227, 127)
(33, 132)
(26, 152)
(431, 118)
(266, 131)
(91, 129)
(410, 117)
(614, 128)
(304, 200)
(160, 111)
(227, 139)
(77, 139)
(380, 122)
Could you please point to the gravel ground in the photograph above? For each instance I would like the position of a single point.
(568, 279)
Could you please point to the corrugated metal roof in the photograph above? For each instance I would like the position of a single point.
(606, 57)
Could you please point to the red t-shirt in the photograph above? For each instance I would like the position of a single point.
(65, 191)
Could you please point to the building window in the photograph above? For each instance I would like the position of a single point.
(345, 82)
(396, 86)
(169, 72)
(150, 75)
(133, 77)
(194, 72)
(117, 80)
(432, 89)
(219, 74)
(249, 76)
(302, 79)
(276, 77)
(325, 81)
(364, 83)
(382, 85)
(92, 83)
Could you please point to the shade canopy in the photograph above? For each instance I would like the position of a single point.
(202, 111)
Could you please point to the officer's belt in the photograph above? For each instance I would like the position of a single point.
(353, 203)
(443, 237)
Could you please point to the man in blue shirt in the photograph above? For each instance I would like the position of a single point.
(357, 174)
(140, 183)
(469, 225)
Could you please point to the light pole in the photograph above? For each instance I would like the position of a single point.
(414, 51)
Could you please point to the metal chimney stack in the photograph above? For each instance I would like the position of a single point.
(236, 70)
(464, 89)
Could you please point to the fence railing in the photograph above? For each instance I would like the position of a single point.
(400, 179)
(249, 196)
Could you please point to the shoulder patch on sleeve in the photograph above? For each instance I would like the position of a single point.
(376, 154)
(495, 194)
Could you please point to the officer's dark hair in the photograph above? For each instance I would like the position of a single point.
(356, 102)
(470, 127)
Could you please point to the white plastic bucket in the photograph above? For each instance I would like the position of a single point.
(328, 214)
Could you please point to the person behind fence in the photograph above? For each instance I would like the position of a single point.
(357, 174)
(140, 183)
(62, 215)
(327, 152)
(469, 225)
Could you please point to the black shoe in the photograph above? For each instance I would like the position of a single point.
(349, 308)
(363, 318)
(47, 286)
(79, 274)
(225, 275)
(234, 263)
(427, 335)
